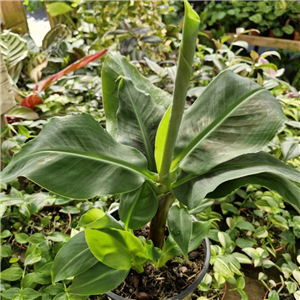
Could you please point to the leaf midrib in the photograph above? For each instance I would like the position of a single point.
(211, 127)
(97, 157)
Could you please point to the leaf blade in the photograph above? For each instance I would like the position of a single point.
(232, 123)
(78, 149)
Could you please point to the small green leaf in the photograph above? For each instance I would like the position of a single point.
(97, 280)
(12, 274)
(95, 218)
(29, 294)
(21, 238)
(288, 29)
(116, 248)
(5, 234)
(73, 258)
(58, 8)
(169, 250)
(70, 210)
(245, 225)
(36, 238)
(180, 226)
(10, 293)
(225, 240)
(5, 251)
(273, 295)
(240, 283)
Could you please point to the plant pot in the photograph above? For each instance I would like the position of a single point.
(187, 293)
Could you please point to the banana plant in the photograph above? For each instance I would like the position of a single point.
(163, 160)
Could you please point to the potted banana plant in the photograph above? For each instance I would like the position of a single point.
(163, 160)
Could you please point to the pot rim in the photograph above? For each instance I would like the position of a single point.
(190, 288)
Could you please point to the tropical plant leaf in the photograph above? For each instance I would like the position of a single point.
(190, 189)
(22, 112)
(13, 48)
(31, 101)
(138, 207)
(115, 248)
(180, 227)
(114, 67)
(97, 280)
(241, 118)
(73, 67)
(289, 191)
(138, 119)
(75, 157)
(73, 258)
(59, 32)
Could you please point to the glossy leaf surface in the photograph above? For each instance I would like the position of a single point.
(233, 116)
(138, 119)
(73, 258)
(97, 219)
(75, 157)
(116, 248)
(192, 189)
(180, 227)
(97, 280)
(114, 67)
(138, 207)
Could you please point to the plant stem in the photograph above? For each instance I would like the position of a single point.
(158, 222)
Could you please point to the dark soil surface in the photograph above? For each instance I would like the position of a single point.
(163, 283)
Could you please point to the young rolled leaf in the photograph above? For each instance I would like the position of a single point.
(75, 157)
(138, 118)
(73, 258)
(138, 207)
(240, 118)
(191, 189)
(180, 227)
(114, 67)
(97, 280)
(184, 70)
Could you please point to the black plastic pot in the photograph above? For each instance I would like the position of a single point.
(187, 293)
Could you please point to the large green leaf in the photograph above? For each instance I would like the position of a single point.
(233, 116)
(75, 157)
(115, 248)
(73, 258)
(138, 207)
(191, 189)
(289, 191)
(138, 119)
(114, 67)
(180, 227)
(97, 280)
(13, 48)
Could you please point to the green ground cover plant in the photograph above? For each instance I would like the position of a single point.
(162, 159)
